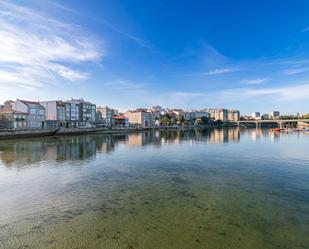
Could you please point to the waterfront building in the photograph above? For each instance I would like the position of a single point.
(72, 114)
(98, 118)
(55, 114)
(265, 116)
(233, 115)
(120, 121)
(141, 117)
(218, 114)
(107, 115)
(256, 115)
(34, 111)
(274, 115)
(83, 111)
(194, 114)
(177, 112)
(13, 120)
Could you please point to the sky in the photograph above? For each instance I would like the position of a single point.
(246, 55)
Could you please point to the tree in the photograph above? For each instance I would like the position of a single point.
(205, 120)
(198, 121)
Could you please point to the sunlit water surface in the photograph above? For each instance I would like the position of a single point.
(213, 189)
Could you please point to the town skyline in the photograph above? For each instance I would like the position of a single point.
(129, 55)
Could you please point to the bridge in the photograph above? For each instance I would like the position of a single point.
(280, 122)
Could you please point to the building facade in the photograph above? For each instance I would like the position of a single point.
(233, 115)
(107, 115)
(274, 115)
(55, 114)
(218, 114)
(80, 113)
(141, 117)
(35, 113)
(120, 121)
(256, 115)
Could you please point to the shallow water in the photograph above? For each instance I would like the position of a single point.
(213, 189)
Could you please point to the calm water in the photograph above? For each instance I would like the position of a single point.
(215, 189)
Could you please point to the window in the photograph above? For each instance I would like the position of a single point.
(32, 111)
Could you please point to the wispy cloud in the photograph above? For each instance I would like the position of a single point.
(36, 49)
(221, 71)
(292, 71)
(286, 93)
(255, 81)
(125, 85)
(305, 29)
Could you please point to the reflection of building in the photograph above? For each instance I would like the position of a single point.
(224, 135)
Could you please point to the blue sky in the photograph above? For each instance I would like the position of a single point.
(247, 55)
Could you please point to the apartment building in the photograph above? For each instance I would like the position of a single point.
(274, 115)
(107, 114)
(34, 111)
(218, 114)
(141, 117)
(10, 119)
(80, 113)
(256, 115)
(233, 115)
(55, 114)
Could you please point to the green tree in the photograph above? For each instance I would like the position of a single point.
(198, 121)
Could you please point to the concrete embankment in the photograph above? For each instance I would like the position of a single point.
(15, 134)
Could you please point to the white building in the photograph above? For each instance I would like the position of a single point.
(256, 115)
(274, 115)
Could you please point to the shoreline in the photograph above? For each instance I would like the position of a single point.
(19, 134)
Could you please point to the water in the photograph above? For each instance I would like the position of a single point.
(214, 189)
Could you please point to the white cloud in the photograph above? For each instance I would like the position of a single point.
(36, 50)
(293, 71)
(287, 93)
(255, 81)
(221, 71)
(125, 85)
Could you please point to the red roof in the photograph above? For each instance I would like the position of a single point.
(120, 117)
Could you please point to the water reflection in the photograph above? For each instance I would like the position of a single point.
(31, 151)
(220, 188)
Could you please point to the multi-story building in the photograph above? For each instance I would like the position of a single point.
(218, 114)
(35, 113)
(233, 115)
(72, 114)
(55, 114)
(107, 115)
(198, 114)
(120, 121)
(274, 115)
(256, 115)
(82, 113)
(141, 117)
(265, 116)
